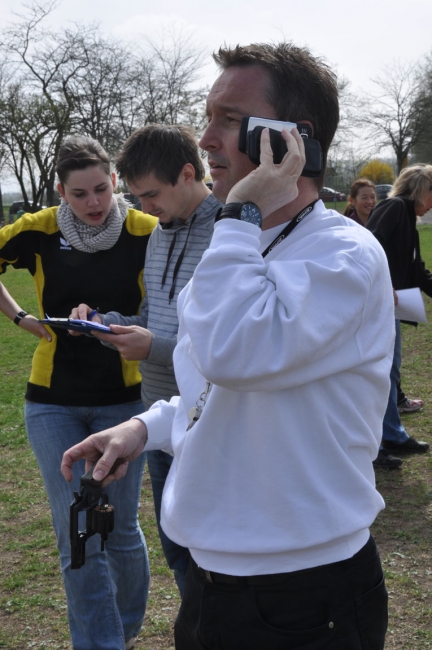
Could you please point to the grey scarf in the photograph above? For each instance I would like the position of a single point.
(91, 239)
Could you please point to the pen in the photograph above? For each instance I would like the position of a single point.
(92, 313)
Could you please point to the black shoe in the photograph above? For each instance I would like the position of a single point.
(385, 460)
(410, 446)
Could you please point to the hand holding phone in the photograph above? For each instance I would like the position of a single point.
(250, 142)
(271, 186)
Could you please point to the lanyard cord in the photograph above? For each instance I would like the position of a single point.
(195, 412)
(179, 260)
(290, 227)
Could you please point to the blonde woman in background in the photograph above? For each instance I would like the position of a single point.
(393, 222)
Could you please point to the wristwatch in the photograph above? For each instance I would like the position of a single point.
(243, 211)
(18, 318)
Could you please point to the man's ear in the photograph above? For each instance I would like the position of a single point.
(188, 173)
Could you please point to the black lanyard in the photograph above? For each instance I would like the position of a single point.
(290, 227)
(179, 260)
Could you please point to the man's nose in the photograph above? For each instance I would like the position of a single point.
(145, 205)
(210, 139)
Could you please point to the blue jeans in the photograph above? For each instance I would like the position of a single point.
(107, 597)
(393, 429)
(177, 557)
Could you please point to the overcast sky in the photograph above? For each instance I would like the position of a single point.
(359, 38)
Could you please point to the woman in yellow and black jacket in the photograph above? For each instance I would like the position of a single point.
(89, 249)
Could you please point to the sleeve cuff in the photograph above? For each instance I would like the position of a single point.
(161, 351)
(159, 421)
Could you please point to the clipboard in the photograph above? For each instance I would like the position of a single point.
(76, 325)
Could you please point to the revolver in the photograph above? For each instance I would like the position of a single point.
(99, 517)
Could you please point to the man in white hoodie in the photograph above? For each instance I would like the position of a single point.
(286, 333)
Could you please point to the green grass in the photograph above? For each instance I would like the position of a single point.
(339, 205)
(32, 603)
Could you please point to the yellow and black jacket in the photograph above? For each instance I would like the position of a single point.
(79, 371)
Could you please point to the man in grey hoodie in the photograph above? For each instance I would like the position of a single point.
(162, 166)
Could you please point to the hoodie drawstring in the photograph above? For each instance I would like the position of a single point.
(179, 260)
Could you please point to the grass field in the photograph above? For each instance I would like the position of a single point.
(32, 603)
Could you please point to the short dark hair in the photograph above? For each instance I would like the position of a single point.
(303, 87)
(161, 149)
(79, 152)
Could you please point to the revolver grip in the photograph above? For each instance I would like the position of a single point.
(77, 539)
(78, 552)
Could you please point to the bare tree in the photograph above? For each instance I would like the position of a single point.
(103, 94)
(423, 148)
(27, 132)
(75, 80)
(345, 160)
(3, 151)
(39, 98)
(395, 115)
(167, 89)
(349, 107)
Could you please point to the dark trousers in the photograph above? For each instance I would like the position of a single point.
(339, 606)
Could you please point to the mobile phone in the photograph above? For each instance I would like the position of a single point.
(250, 142)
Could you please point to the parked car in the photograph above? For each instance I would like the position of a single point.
(326, 194)
(382, 191)
(16, 205)
(19, 205)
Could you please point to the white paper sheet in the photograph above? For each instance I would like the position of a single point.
(410, 305)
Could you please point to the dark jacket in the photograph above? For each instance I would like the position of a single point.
(393, 222)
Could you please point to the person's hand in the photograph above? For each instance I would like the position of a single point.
(81, 313)
(133, 342)
(125, 441)
(272, 186)
(32, 325)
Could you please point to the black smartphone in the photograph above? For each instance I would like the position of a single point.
(250, 142)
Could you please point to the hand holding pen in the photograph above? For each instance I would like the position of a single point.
(84, 312)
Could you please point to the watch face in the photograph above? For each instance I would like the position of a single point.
(251, 214)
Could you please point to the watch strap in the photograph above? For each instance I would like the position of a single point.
(229, 211)
(18, 318)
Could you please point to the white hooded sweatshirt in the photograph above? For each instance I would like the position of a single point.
(277, 473)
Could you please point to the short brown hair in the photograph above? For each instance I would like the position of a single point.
(302, 86)
(79, 152)
(161, 149)
(414, 182)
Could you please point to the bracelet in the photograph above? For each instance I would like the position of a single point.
(18, 318)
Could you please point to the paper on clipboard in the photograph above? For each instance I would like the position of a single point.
(410, 306)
